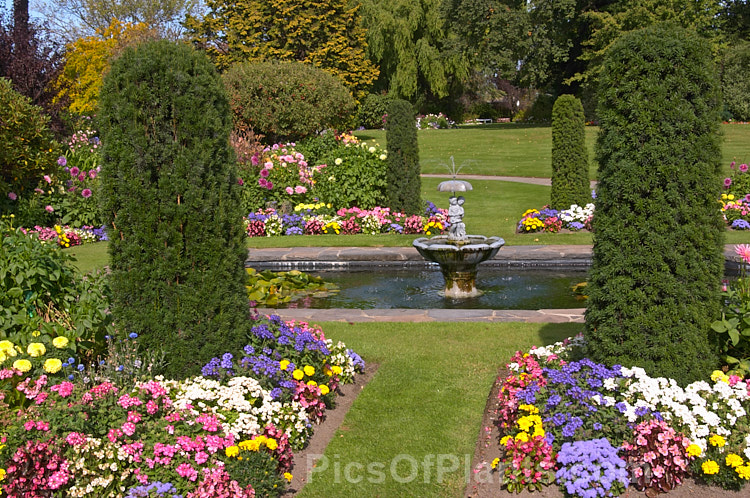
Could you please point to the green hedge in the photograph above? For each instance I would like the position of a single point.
(404, 183)
(570, 161)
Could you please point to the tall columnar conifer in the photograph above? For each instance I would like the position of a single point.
(404, 183)
(657, 263)
(570, 162)
(172, 201)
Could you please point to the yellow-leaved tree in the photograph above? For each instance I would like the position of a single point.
(325, 34)
(88, 59)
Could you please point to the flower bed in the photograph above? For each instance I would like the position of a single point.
(575, 218)
(596, 430)
(319, 218)
(116, 431)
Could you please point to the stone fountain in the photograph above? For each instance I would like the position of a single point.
(457, 253)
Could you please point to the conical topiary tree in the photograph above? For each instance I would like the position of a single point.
(171, 197)
(657, 261)
(570, 161)
(404, 189)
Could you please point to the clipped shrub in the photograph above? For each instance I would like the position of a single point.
(570, 161)
(287, 101)
(734, 84)
(27, 147)
(372, 111)
(171, 201)
(657, 261)
(404, 183)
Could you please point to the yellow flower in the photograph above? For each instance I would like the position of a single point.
(312, 383)
(254, 445)
(694, 450)
(271, 444)
(309, 370)
(504, 441)
(529, 408)
(288, 476)
(22, 365)
(36, 349)
(733, 460)
(297, 374)
(324, 389)
(710, 467)
(743, 471)
(495, 463)
(245, 445)
(52, 365)
(718, 375)
(717, 440)
(522, 436)
(232, 451)
(60, 342)
(2, 474)
(284, 364)
(336, 369)
(730, 197)
(7, 347)
(327, 371)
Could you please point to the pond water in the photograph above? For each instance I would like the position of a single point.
(419, 288)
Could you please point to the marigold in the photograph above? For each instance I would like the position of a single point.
(60, 342)
(22, 365)
(283, 364)
(733, 460)
(288, 476)
(710, 467)
(298, 374)
(743, 471)
(522, 436)
(271, 444)
(324, 389)
(336, 369)
(694, 450)
(717, 440)
(2, 474)
(232, 451)
(495, 463)
(36, 349)
(52, 365)
(309, 370)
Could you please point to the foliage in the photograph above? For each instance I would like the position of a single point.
(87, 60)
(77, 19)
(325, 35)
(657, 259)
(402, 175)
(372, 110)
(735, 89)
(31, 59)
(570, 164)
(27, 148)
(735, 319)
(287, 100)
(172, 205)
(409, 43)
(268, 288)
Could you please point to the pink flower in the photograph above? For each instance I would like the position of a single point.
(134, 417)
(152, 407)
(86, 193)
(289, 190)
(299, 189)
(92, 173)
(75, 439)
(81, 176)
(128, 428)
(727, 182)
(187, 471)
(12, 196)
(240, 181)
(74, 171)
(267, 170)
(743, 168)
(47, 178)
(49, 208)
(743, 250)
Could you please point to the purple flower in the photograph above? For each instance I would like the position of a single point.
(62, 161)
(740, 224)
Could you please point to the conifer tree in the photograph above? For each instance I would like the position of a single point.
(404, 183)
(657, 263)
(172, 204)
(570, 162)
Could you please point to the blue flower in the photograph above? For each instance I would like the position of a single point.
(133, 335)
(740, 224)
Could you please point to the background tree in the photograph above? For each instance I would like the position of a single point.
(325, 34)
(286, 101)
(73, 19)
(657, 264)
(570, 160)
(172, 204)
(404, 184)
(408, 41)
(88, 59)
(734, 82)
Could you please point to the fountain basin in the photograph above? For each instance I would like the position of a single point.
(458, 260)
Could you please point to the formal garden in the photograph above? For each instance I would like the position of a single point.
(133, 364)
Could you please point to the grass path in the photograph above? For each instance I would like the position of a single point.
(426, 400)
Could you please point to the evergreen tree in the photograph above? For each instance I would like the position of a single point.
(657, 265)
(404, 184)
(570, 161)
(172, 201)
(325, 34)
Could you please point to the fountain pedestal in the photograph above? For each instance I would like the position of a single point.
(458, 260)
